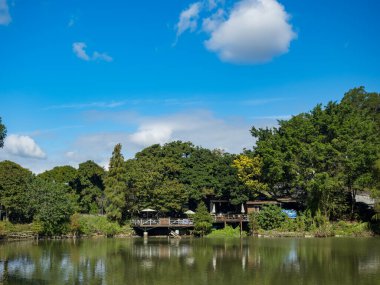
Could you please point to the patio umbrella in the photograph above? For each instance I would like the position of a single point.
(147, 211)
(242, 209)
(213, 209)
(189, 212)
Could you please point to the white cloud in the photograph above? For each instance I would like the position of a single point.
(188, 18)
(101, 56)
(23, 146)
(79, 49)
(111, 104)
(200, 127)
(255, 32)
(251, 31)
(211, 23)
(5, 17)
(134, 132)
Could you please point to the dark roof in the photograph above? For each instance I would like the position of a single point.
(258, 202)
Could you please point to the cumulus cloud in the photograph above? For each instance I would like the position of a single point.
(200, 127)
(5, 17)
(101, 56)
(23, 146)
(255, 31)
(79, 49)
(188, 18)
(251, 31)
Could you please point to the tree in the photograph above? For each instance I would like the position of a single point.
(270, 217)
(202, 220)
(51, 206)
(67, 176)
(14, 184)
(115, 186)
(90, 187)
(3, 133)
(323, 157)
(249, 173)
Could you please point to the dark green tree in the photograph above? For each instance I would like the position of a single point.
(14, 184)
(116, 186)
(3, 133)
(202, 220)
(90, 187)
(51, 206)
(325, 156)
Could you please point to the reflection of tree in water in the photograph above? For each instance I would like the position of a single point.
(192, 261)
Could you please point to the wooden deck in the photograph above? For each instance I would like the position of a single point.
(185, 222)
(163, 223)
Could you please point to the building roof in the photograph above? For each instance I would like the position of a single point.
(259, 202)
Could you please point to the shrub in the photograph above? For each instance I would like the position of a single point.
(202, 220)
(271, 217)
(253, 222)
(345, 228)
(227, 232)
(93, 224)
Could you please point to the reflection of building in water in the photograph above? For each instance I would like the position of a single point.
(226, 252)
(161, 250)
(370, 265)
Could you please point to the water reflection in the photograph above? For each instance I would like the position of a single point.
(192, 261)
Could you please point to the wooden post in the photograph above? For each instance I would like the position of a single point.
(241, 226)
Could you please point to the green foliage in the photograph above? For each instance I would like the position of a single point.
(270, 217)
(202, 220)
(321, 226)
(60, 174)
(178, 175)
(51, 206)
(14, 183)
(344, 228)
(93, 225)
(249, 173)
(253, 224)
(90, 187)
(227, 232)
(116, 186)
(324, 157)
(7, 227)
(3, 133)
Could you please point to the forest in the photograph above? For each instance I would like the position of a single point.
(322, 158)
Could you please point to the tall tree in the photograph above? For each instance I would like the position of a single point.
(51, 205)
(3, 133)
(249, 173)
(90, 187)
(115, 186)
(202, 220)
(14, 184)
(325, 156)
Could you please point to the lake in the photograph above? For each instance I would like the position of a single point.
(273, 261)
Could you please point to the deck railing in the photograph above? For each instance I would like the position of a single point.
(162, 222)
(230, 217)
(140, 222)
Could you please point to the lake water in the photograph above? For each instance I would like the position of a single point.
(192, 261)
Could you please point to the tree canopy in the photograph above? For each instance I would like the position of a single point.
(3, 133)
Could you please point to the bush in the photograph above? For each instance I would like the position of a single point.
(227, 232)
(344, 228)
(202, 220)
(271, 217)
(92, 225)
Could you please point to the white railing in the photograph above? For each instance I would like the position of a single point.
(162, 222)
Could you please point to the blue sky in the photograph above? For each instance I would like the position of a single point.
(77, 77)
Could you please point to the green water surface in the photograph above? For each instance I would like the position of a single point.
(192, 261)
